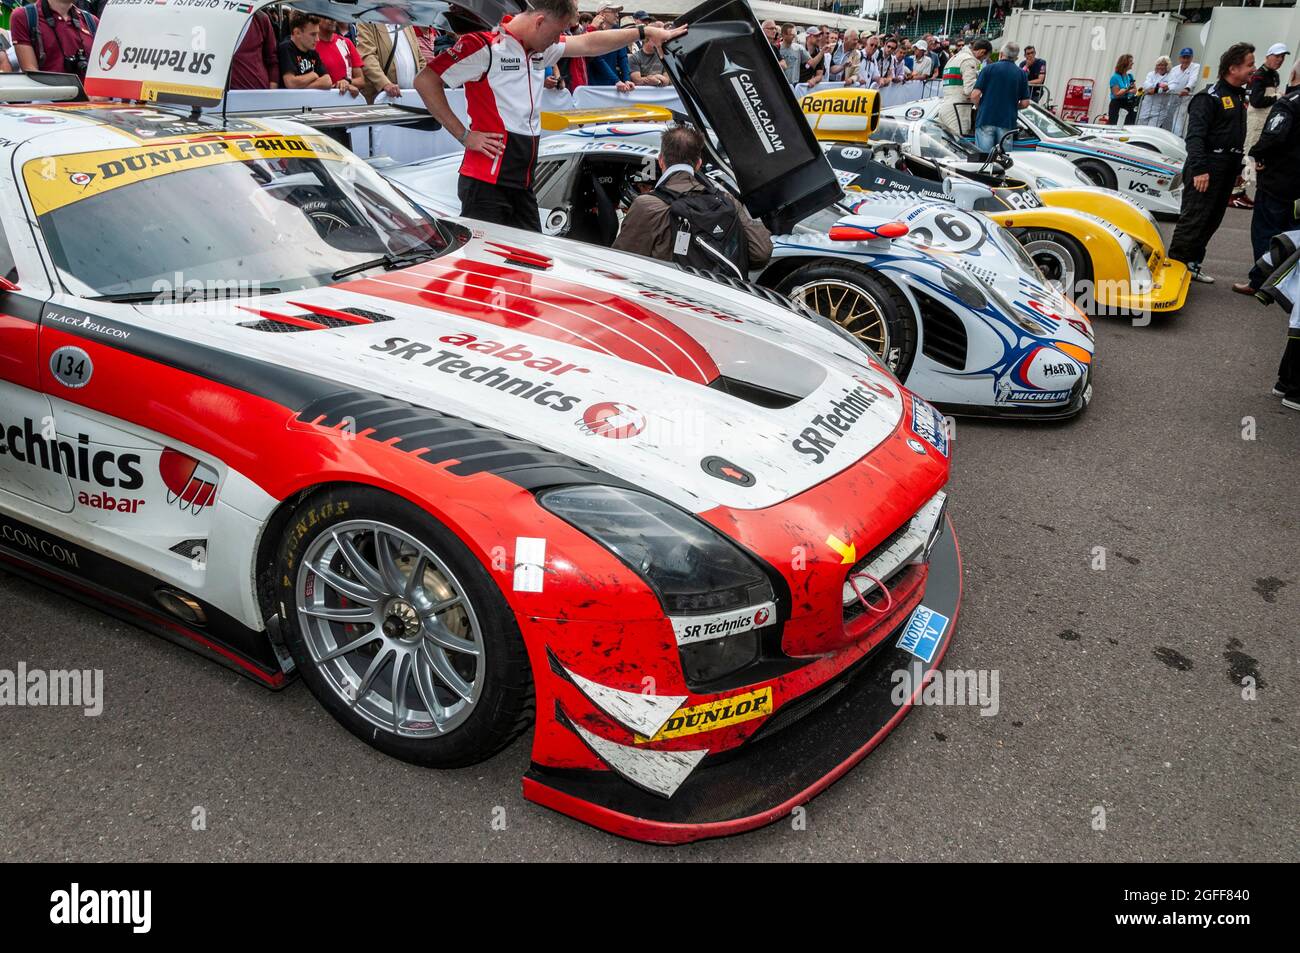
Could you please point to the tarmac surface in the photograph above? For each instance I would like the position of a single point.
(1120, 689)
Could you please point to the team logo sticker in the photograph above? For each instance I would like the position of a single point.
(689, 629)
(109, 55)
(611, 419)
(191, 484)
(923, 633)
(929, 425)
(714, 715)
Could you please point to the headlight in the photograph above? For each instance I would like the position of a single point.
(963, 287)
(692, 568)
(1138, 268)
(1079, 174)
(1043, 182)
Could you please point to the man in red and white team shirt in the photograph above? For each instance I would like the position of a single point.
(504, 75)
(340, 56)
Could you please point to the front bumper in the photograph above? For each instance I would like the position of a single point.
(1170, 282)
(799, 751)
(1080, 398)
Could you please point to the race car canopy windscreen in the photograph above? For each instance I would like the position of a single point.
(728, 78)
(180, 52)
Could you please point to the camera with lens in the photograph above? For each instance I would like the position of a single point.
(76, 63)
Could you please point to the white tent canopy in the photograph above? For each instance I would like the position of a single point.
(763, 10)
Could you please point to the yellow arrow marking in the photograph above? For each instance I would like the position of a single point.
(848, 551)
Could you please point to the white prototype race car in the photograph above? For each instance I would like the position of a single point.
(1169, 145)
(1139, 172)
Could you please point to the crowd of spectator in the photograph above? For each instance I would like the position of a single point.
(281, 48)
(288, 49)
(874, 60)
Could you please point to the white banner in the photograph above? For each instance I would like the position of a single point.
(161, 54)
(594, 97)
(408, 145)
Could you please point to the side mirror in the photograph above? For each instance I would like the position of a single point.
(7, 285)
(964, 192)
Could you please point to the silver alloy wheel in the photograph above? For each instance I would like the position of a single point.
(329, 222)
(1055, 262)
(390, 628)
(852, 308)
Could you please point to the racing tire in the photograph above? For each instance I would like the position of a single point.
(380, 601)
(1061, 258)
(881, 317)
(1101, 174)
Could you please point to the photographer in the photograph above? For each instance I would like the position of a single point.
(53, 35)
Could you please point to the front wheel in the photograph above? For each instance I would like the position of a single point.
(399, 631)
(859, 301)
(1098, 173)
(1061, 258)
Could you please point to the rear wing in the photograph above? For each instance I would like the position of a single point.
(566, 120)
(842, 115)
(340, 118)
(40, 88)
(728, 79)
(181, 54)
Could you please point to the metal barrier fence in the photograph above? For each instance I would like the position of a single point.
(409, 145)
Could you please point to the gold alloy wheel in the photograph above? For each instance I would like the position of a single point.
(851, 308)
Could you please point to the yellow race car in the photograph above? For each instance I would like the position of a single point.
(1096, 245)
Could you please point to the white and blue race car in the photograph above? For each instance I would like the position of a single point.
(1133, 168)
(947, 298)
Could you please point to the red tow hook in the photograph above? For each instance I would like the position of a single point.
(889, 599)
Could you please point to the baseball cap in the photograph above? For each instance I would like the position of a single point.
(1186, 51)
(616, 7)
(640, 15)
(921, 45)
(1278, 49)
(812, 31)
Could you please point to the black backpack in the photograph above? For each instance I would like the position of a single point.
(707, 230)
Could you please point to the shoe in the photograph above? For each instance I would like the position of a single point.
(1202, 277)
(1243, 288)
(1278, 391)
(1241, 201)
(1292, 402)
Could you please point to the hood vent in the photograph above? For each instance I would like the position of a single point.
(767, 294)
(317, 319)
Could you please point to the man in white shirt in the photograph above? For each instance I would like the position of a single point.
(922, 64)
(1181, 79)
(390, 58)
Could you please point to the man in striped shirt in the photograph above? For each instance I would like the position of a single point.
(959, 82)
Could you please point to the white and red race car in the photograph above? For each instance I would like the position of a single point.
(461, 479)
